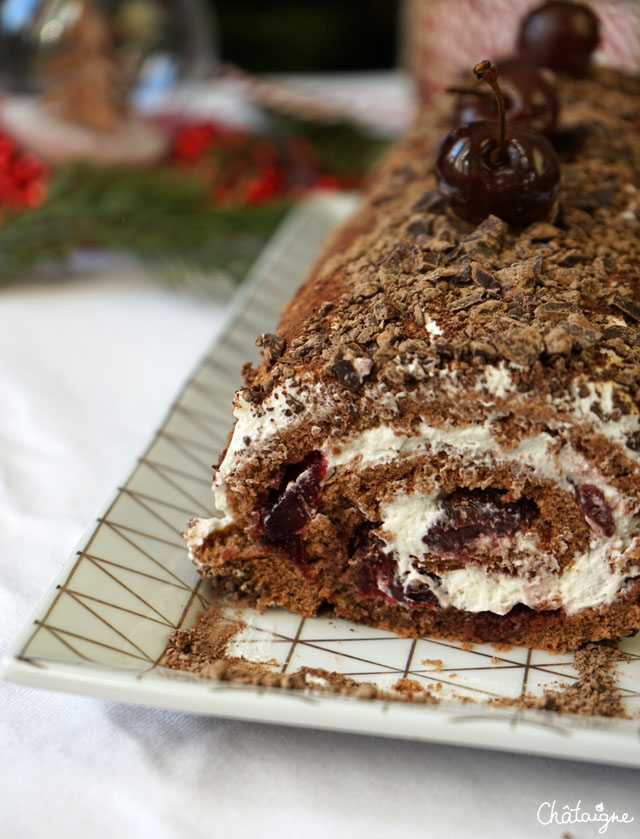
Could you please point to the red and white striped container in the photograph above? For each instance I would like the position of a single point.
(442, 37)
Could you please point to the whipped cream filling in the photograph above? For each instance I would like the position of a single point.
(594, 578)
(541, 453)
(497, 381)
(431, 325)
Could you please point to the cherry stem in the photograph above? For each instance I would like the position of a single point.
(488, 72)
(468, 90)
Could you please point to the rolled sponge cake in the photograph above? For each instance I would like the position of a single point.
(443, 437)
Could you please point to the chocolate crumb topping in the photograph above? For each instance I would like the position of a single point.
(554, 290)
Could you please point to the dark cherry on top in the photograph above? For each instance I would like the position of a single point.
(530, 100)
(560, 35)
(486, 168)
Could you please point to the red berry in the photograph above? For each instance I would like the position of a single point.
(263, 186)
(469, 514)
(35, 194)
(192, 142)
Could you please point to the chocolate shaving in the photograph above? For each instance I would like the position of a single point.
(483, 278)
(346, 374)
(521, 346)
(272, 347)
(627, 307)
(472, 298)
(431, 260)
(571, 258)
(254, 394)
(542, 232)
(581, 336)
(445, 241)
(431, 200)
(624, 333)
(417, 228)
(558, 342)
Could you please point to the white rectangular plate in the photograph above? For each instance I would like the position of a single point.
(102, 627)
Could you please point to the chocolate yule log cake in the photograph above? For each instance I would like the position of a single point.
(443, 437)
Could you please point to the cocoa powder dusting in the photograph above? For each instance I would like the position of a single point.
(202, 650)
(595, 693)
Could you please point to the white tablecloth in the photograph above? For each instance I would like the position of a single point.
(87, 369)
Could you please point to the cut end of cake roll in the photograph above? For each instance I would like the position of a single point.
(504, 516)
(443, 439)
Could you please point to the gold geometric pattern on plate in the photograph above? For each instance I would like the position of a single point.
(131, 583)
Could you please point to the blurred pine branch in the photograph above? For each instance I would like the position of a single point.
(158, 215)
